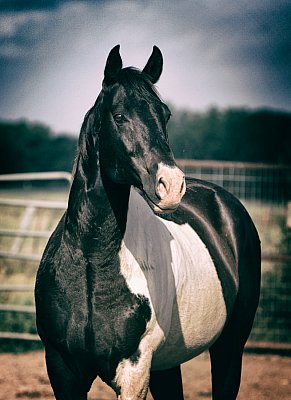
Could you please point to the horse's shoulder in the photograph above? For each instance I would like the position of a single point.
(214, 207)
(202, 193)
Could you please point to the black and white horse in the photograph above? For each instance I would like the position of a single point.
(145, 270)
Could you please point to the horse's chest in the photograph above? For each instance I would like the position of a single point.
(169, 264)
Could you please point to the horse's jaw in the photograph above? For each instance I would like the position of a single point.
(156, 208)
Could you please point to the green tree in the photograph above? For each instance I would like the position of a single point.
(27, 147)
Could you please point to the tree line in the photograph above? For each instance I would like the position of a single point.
(231, 135)
(31, 147)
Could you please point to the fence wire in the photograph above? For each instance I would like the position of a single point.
(247, 181)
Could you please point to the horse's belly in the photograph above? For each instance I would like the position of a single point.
(199, 311)
(197, 320)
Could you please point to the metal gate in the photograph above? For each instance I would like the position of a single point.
(23, 226)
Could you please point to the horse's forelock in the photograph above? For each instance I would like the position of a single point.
(135, 81)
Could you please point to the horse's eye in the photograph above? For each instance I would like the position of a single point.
(119, 118)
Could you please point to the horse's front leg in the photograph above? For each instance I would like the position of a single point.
(66, 385)
(132, 377)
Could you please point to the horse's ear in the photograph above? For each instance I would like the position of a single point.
(154, 65)
(113, 66)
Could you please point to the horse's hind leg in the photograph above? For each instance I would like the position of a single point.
(226, 353)
(226, 363)
(167, 384)
(65, 383)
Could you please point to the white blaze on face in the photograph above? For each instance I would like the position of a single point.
(170, 187)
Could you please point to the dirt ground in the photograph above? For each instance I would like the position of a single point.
(268, 377)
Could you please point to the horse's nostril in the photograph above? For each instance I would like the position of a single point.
(183, 185)
(162, 188)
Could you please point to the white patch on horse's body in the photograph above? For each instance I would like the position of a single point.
(170, 265)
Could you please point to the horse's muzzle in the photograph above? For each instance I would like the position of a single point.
(170, 188)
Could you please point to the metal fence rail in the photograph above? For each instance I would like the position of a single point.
(36, 176)
(29, 206)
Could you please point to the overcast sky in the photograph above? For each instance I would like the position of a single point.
(222, 53)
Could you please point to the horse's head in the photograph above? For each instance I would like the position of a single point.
(133, 142)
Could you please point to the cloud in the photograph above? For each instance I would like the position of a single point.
(52, 53)
(21, 32)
